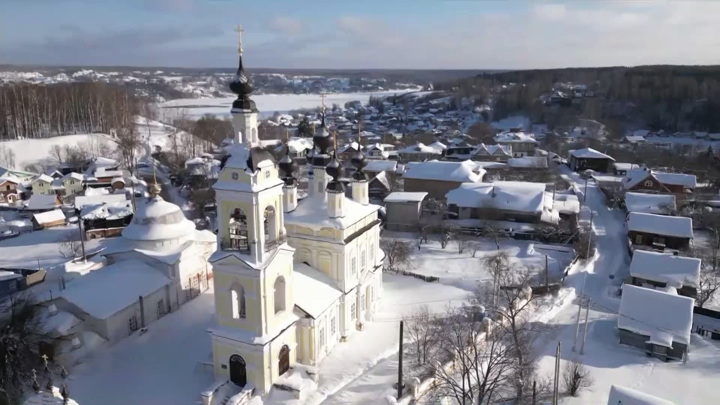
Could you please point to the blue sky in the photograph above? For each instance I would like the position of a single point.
(462, 34)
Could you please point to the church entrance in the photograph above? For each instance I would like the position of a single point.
(238, 375)
(284, 363)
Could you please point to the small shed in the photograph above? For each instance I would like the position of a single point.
(661, 204)
(628, 396)
(42, 202)
(589, 158)
(48, 219)
(404, 210)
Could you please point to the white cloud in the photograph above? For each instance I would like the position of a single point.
(288, 25)
(550, 11)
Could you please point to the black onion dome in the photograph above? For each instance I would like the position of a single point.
(335, 170)
(322, 138)
(310, 154)
(242, 86)
(287, 168)
(257, 155)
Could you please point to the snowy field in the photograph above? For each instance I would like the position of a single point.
(163, 366)
(464, 271)
(37, 151)
(268, 104)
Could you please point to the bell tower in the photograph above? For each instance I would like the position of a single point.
(253, 263)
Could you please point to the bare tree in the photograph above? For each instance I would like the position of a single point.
(473, 362)
(576, 377)
(585, 245)
(397, 253)
(708, 286)
(56, 151)
(510, 298)
(462, 242)
(71, 246)
(474, 248)
(422, 330)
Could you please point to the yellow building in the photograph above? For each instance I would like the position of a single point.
(73, 183)
(43, 184)
(292, 278)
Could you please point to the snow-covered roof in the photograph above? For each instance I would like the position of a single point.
(49, 217)
(649, 203)
(634, 177)
(589, 153)
(676, 271)
(620, 395)
(662, 316)
(352, 146)
(44, 178)
(74, 176)
(380, 165)
(405, 196)
(107, 211)
(104, 292)
(419, 148)
(531, 162)
(83, 200)
(460, 172)
(58, 324)
(680, 227)
(157, 220)
(8, 275)
(516, 196)
(313, 212)
(314, 290)
(566, 203)
(497, 150)
(298, 145)
(42, 202)
(626, 166)
(438, 145)
(515, 137)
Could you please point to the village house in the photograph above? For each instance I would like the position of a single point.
(520, 143)
(659, 231)
(656, 321)
(438, 178)
(382, 151)
(502, 200)
(43, 184)
(403, 210)
(661, 204)
(418, 153)
(9, 189)
(495, 153)
(621, 169)
(650, 181)
(48, 219)
(42, 202)
(374, 167)
(588, 158)
(72, 183)
(660, 270)
(459, 152)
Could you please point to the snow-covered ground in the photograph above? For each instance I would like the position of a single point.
(43, 247)
(268, 104)
(38, 151)
(165, 366)
(464, 271)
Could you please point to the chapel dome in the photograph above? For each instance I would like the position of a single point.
(159, 224)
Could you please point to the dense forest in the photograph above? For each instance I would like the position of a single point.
(37, 111)
(672, 98)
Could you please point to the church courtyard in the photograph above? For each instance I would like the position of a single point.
(171, 363)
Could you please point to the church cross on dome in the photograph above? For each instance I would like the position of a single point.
(239, 29)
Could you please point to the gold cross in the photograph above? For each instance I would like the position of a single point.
(322, 97)
(239, 30)
(334, 140)
(45, 358)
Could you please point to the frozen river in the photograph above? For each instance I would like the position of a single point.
(268, 104)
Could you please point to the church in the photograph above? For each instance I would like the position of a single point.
(292, 278)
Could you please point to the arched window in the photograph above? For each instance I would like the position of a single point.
(271, 230)
(237, 296)
(279, 288)
(237, 232)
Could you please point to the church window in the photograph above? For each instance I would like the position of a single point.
(648, 183)
(235, 175)
(362, 302)
(133, 324)
(160, 308)
(321, 338)
(279, 294)
(237, 232)
(237, 296)
(320, 187)
(271, 231)
(333, 326)
(352, 311)
(353, 266)
(372, 253)
(362, 260)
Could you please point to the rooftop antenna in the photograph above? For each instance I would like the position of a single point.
(239, 29)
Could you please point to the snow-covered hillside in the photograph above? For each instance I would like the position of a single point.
(39, 151)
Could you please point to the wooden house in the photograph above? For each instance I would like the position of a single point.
(659, 270)
(588, 158)
(659, 231)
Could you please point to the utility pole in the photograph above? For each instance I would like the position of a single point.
(587, 312)
(82, 238)
(547, 276)
(585, 193)
(590, 234)
(534, 398)
(557, 374)
(577, 323)
(400, 364)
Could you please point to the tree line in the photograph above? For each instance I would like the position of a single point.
(40, 111)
